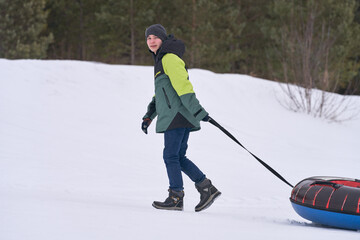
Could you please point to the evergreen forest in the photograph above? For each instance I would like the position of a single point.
(311, 43)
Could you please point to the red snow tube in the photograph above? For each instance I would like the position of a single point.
(330, 201)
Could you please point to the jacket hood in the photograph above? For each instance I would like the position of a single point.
(170, 45)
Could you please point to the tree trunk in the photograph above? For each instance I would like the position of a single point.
(81, 32)
(193, 39)
(132, 32)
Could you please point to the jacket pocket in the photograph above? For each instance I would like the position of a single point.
(166, 98)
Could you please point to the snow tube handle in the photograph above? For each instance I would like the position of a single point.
(331, 184)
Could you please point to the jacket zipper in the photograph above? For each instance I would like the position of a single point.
(166, 98)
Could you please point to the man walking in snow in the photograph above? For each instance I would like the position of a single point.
(178, 113)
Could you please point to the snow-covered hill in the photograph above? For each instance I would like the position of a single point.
(75, 165)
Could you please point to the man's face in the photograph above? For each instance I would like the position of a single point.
(153, 42)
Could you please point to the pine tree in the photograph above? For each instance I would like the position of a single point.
(120, 30)
(218, 35)
(210, 29)
(233, 23)
(252, 41)
(73, 24)
(23, 29)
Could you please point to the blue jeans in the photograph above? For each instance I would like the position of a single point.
(176, 161)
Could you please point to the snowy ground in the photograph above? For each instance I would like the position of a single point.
(74, 164)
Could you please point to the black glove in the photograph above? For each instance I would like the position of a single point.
(206, 118)
(145, 124)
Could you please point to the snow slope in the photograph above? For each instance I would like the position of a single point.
(75, 165)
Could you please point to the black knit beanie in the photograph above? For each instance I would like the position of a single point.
(157, 30)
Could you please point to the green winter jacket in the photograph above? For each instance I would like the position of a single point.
(174, 103)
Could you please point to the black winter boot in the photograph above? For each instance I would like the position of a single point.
(208, 194)
(173, 202)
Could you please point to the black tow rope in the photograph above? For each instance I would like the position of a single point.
(213, 122)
